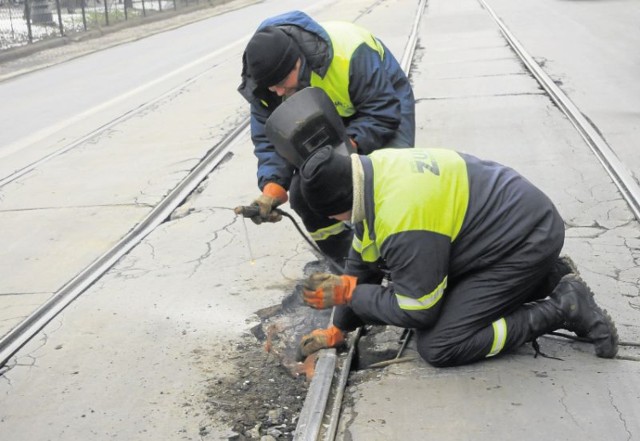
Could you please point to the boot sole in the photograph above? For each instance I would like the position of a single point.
(607, 321)
(613, 331)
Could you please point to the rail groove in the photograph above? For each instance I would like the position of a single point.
(28, 328)
(618, 172)
(314, 409)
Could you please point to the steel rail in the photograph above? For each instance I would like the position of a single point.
(28, 328)
(124, 117)
(315, 405)
(18, 336)
(79, 141)
(334, 416)
(618, 172)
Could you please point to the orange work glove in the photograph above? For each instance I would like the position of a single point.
(324, 290)
(272, 196)
(320, 339)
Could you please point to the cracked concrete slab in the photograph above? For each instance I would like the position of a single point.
(580, 397)
(76, 206)
(131, 357)
(515, 397)
(58, 243)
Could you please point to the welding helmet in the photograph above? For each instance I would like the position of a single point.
(304, 122)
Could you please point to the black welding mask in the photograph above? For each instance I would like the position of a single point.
(304, 122)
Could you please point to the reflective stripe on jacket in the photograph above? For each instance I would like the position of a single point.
(432, 215)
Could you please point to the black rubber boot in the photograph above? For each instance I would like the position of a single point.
(529, 322)
(583, 316)
(542, 317)
(561, 267)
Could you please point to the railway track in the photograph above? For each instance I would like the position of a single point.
(19, 335)
(320, 414)
(620, 175)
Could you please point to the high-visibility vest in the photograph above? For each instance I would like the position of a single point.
(414, 190)
(345, 39)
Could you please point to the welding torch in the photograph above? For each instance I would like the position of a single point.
(249, 211)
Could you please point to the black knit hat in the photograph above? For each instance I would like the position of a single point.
(326, 181)
(271, 55)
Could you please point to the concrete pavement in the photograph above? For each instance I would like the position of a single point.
(143, 353)
(474, 95)
(168, 314)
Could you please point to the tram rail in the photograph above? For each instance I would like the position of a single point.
(320, 413)
(24, 331)
(620, 175)
(313, 419)
(28, 328)
(319, 418)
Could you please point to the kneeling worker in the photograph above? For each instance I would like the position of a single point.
(471, 246)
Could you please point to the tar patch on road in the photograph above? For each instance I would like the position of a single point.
(263, 398)
(266, 393)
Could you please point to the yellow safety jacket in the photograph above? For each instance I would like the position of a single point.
(345, 39)
(430, 216)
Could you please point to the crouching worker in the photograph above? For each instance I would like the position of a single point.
(472, 249)
(366, 88)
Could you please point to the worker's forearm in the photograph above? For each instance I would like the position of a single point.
(375, 304)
